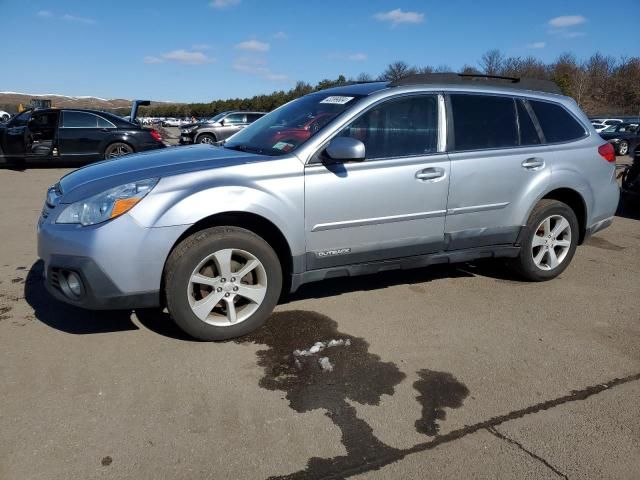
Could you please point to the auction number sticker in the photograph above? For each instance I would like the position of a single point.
(336, 100)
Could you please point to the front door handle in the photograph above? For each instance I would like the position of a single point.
(533, 163)
(432, 173)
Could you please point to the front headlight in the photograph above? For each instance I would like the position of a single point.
(188, 130)
(107, 205)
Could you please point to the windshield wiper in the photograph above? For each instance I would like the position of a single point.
(244, 148)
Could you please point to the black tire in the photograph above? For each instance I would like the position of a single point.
(524, 264)
(623, 148)
(206, 138)
(189, 254)
(117, 149)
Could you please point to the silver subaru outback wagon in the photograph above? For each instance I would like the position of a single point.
(347, 181)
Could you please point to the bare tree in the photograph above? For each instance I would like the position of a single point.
(397, 71)
(492, 62)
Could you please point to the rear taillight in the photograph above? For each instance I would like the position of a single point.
(156, 135)
(607, 152)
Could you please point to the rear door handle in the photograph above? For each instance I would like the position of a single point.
(432, 173)
(533, 163)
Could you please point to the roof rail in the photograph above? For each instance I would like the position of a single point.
(478, 79)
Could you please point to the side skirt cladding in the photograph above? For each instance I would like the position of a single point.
(405, 263)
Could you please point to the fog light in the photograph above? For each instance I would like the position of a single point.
(74, 283)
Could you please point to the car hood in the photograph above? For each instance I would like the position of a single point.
(98, 177)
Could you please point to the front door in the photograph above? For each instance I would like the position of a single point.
(232, 123)
(16, 135)
(390, 205)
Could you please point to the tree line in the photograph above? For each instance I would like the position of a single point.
(600, 84)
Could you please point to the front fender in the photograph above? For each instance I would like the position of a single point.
(186, 201)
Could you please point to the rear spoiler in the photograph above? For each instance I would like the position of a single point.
(134, 108)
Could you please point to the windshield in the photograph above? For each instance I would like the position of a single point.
(291, 125)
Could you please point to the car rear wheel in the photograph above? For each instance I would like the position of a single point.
(206, 138)
(550, 241)
(623, 147)
(222, 282)
(117, 149)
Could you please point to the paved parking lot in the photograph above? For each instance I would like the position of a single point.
(445, 372)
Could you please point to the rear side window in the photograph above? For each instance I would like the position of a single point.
(557, 124)
(79, 120)
(252, 117)
(528, 133)
(103, 123)
(484, 121)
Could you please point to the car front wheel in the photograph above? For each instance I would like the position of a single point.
(222, 282)
(206, 138)
(549, 243)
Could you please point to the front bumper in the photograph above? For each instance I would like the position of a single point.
(186, 138)
(119, 262)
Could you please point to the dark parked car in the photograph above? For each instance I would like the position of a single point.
(217, 128)
(624, 137)
(72, 134)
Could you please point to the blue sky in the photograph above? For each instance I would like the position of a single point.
(199, 50)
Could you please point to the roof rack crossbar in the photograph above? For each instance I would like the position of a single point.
(489, 80)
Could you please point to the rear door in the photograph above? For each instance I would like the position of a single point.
(497, 163)
(390, 205)
(82, 135)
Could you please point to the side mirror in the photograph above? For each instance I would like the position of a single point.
(346, 149)
(222, 122)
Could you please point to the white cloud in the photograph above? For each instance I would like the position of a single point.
(223, 3)
(257, 66)
(537, 45)
(253, 46)
(201, 46)
(44, 13)
(397, 16)
(567, 21)
(357, 57)
(72, 18)
(280, 35)
(187, 57)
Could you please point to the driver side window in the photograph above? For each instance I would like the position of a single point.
(402, 127)
(234, 119)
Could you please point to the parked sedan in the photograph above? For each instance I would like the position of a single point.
(72, 134)
(217, 128)
(624, 137)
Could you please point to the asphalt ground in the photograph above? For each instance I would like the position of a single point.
(450, 372)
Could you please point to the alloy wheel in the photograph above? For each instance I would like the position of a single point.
(551, 242)
(119, 150)
(227, 287)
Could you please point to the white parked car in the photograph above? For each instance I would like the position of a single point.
(599, 126)
(171, 122)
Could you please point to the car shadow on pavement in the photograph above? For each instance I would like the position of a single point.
(68, 318)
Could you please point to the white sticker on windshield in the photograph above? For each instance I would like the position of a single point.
(337, 100)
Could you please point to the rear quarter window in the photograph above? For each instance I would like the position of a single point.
(556, 123)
